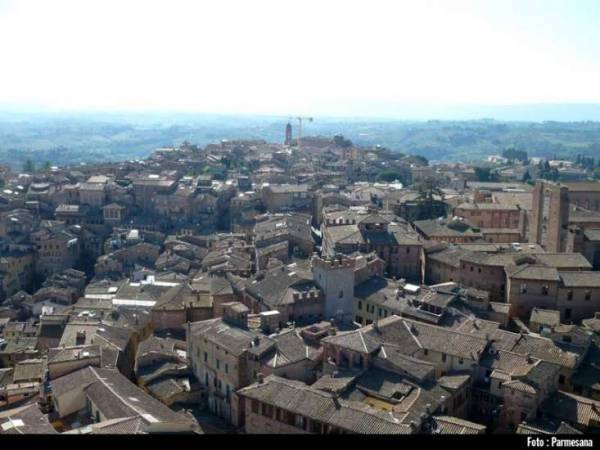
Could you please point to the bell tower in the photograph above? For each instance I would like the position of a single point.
(288, 134)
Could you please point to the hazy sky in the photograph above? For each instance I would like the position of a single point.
(292, 56)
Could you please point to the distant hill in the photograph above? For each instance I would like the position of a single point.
(67, 138)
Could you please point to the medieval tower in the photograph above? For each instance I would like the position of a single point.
(288, 134)
(335, 277)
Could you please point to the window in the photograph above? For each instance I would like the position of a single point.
(255, 406)
(341, 294)
(568, 313)
(425, 352)
(218, 364)
(479, 270)
(267, 410)
(569, 295)
(443, 357)
(226, 368)
(300, 422)
(523, 289)
(588, 295)
(545, 289)
(359, 305)
(358, 319)
(290, 418)
(407, 250)
(461, 361)
(561, 379)
(205, 357)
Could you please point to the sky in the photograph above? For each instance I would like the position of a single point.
(296, 56)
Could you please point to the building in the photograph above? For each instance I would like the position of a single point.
(286, 197)
(390, 237)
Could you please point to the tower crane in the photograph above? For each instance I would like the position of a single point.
(300, 120)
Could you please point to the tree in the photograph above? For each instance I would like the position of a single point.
(389, 176)
(548, 173)
(47, 165)
(485, 174)
(428, 206)
(513, 154)
(341, 141)
(526, 177)
(29, 166)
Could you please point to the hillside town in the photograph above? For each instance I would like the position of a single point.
(308, 286)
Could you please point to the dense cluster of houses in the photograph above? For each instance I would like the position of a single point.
(284, 289)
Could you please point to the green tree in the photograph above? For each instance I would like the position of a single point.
(485, 174)
(526, 177)
(512, 154)
(389, 176)
(29, 166)
(47, 165)
(341, 141)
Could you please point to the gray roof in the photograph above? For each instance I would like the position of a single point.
(580, 279)
(545, 316)
(528, 272)
(116, 396)
(26, 419)
(234, 339)
(411, 336)
(320, 406)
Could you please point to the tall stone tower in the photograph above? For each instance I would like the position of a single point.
(288, 134)
(537, 213)
(335, 277)
(549, 216)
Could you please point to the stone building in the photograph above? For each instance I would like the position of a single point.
(57, 249)
(556, 205)
(286, 197)
(335, 277)
(390, 237)
(225, 355)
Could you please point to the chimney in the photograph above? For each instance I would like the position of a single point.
(336, 400)
(260, 379)
(255, 341)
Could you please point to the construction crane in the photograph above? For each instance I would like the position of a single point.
(300, 120)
